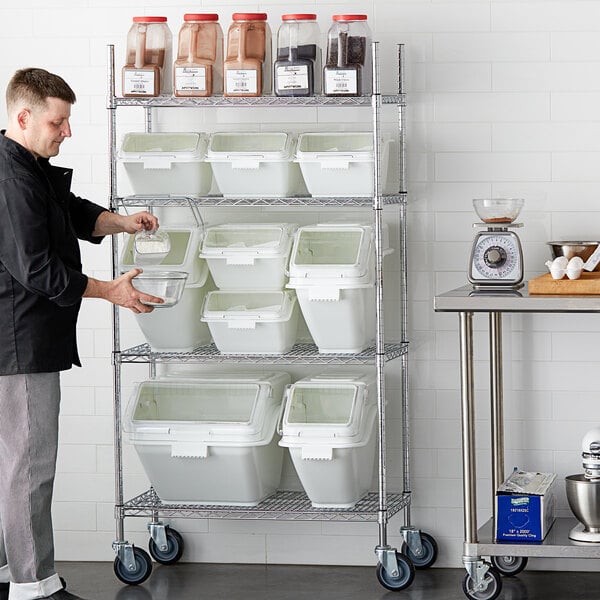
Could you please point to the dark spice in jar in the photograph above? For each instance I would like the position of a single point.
(305, 52)
(355, 52)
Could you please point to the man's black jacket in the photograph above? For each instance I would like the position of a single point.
(41, 279)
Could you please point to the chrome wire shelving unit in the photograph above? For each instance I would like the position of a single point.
(395, 569)
(304, 354)
(281, 506)
(206, 201)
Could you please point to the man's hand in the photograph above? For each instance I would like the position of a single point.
(120, 291)
(108, 223)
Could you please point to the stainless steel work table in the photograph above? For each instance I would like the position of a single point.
(482, 581)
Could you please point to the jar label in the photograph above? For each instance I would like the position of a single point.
(190, 79)
(341, 81)
(292, 78)
(241, 81)
(139, 82)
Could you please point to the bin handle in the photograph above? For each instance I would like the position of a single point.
(241, 324)
(189, 450)
(284, 399)
(317, 452)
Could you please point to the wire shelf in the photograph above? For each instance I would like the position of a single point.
(175, 200)
(281, 506)
(168, 101)
(299, 354)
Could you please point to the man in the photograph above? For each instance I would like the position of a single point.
(41, 287)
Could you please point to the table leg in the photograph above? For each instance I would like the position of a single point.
(468, 427)
(496, 405)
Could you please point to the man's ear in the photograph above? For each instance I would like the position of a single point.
(23, 117)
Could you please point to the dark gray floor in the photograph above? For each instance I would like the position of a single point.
(96, 581)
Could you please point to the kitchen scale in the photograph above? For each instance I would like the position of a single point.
(497, 256)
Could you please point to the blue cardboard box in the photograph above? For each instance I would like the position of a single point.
(525, 507)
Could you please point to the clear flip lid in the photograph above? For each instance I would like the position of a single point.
(207, 411)
(248, 306)
(339, 146)
(324, 410)
(182, 254)
(159, 150)
(332, 252)
(256, 239)
(249, 149)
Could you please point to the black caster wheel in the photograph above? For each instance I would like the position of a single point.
(429, 552)
(143, 568)
(509, 565)
(489, 589)
(174, 548)
(406, 574)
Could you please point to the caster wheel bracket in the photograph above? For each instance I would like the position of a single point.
(158, 533)
(387, 558)
(125, 554)
(412, 537)
(477, 570)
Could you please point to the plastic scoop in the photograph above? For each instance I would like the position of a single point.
(150, 247)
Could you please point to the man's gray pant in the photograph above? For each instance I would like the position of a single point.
(29, 406)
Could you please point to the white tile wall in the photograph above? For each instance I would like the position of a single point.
(503, 99)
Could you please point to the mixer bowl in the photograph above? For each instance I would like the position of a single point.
(584, 500)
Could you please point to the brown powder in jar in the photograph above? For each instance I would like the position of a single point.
(255, 44)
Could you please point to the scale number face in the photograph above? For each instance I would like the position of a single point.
(496, 258)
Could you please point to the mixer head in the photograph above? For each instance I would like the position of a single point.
(590, 454)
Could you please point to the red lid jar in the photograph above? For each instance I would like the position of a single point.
(148, 58)
(246, 69)
(298, 56)
(198, 68)
(348, 69)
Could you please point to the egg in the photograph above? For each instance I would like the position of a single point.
(556, 270)
(575, 263)
(560, 262)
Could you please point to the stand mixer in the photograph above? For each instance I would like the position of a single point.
(583, 491)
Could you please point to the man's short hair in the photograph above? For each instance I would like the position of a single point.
(33, 86)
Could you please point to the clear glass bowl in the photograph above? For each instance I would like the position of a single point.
(168, 285)
(498, 210)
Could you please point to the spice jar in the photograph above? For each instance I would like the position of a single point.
(198, 69)
(298, 56)
(149, 43)
(246, 70)
(348, 69)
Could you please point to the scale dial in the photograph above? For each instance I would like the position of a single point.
(496, 259)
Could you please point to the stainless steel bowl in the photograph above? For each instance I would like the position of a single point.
(584, 499)
(571, 249)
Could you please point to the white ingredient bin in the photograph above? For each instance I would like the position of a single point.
(255, 164)
(182, 255)
(332, 270)
(209, 440)
(328, 427)
(166, 163)
(179, 328)
(339, 163)
(340, 318)
(248, 255)
(252, 322)
(332, 251)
